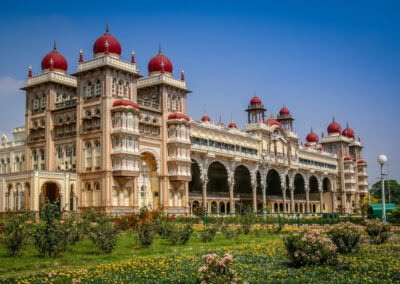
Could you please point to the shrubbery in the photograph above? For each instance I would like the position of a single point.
(310, 247)
(378, 231)
(146, 231)
(104, 235)
(218, 270)
(179, 234)
(14, 233)
(230, 232)
(346, 236)
(208, 234)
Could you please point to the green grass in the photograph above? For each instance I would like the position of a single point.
(85, 255)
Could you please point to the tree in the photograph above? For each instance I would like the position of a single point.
(376, 190)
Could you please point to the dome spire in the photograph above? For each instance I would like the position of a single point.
(133, 61)
(107, 30)
(54, 45)
(159, 49)
(80, 56)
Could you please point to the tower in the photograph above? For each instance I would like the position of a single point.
(255, 111)
(286, 119)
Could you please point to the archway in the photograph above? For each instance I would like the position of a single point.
(195, 185)
(299, 191)
(50, 193)
(259, 191)
(214, 207)
(222, 207)
(217, 180)
(327, 195)
(274, 184)
(314, 192)
(242, 188)
(148, 183)
(27, 196)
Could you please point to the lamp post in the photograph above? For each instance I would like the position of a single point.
(263, 173)
(382, 159)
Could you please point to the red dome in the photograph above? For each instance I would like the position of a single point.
(348, 158)
(155, 64)
(125, 103)
(178, 115)
(113, 44)
(348, 132)
(334, 127)
(272, 121)
(360, 162)
(205, 118)
(308, 144)
(312, 137)
(255, 101)
(284, 111)
(232, 125)
(320, 148)
(59, 61)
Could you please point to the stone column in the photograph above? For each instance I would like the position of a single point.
(307, 200)
(254, 187)
(333, 202)
(284, 199)
(321, 201)
(292, 200)
(204, 191)
(231, 185)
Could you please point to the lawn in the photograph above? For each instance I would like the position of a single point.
(259, 259)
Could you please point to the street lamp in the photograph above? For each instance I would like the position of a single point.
(382, 159)
(263, 173)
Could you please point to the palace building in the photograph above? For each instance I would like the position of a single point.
(111, 138)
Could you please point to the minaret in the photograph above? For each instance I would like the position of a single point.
(285, 118)
(255, 111)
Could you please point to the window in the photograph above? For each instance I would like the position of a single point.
(43, 102)
(120, 88)
(68, 152)
(36, 103)
(59, 152)
(89, 90)
(34, 155)
(97, 89)
(114, 82)
(117, 120)
(42, 154)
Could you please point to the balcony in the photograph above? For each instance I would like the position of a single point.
(148, 104)
(349, 181)
(125, 130)
(179, 140)
(125, 151)
(66, 104)
(179, 159)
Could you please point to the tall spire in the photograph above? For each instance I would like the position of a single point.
(55, 45)
(159, 49)
(107, 29)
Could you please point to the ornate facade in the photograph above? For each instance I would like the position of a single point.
(108, 137)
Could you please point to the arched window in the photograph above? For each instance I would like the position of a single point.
(43, 102)
(36, 103)
(97, 89)
(130, 120)
(113, 87)
(59, 153)
(68, 152)
(120, 88)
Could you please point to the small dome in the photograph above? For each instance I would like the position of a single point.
(320, 148)
(347, 158)
(334, 127)
(361, 162)
(348, 132)
(114, 47)
(271, 121)
(255, 101)
(159, 62)
(312, 137)
(205, 118)
(232, 125)
(125, 103)
(57, 59)
(308, 144)
(178, 115)
(284, 111)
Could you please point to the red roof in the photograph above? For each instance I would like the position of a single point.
(320, 148)
(255, 101)
(348, 132)
(284, 111)
(125, 103)
(178, 115)
(59, 61)
(205, 118)
(155, 64)
(348, 158)
(361, 162)
(272, 121)
(232, 125)
(113, 44)
(312, 137)
(334, 127)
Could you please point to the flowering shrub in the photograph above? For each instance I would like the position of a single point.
(13, 234)
(146, 231)
(378, 231)
(218, 270)
(310, 247)
(208, 234)
(346, 236)
(178, 234)
(230, 232)
(104, 235)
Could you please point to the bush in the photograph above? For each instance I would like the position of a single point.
(247, 220)
(395, 216)
(230, 232)
(218, 270)
(378, 231)
(310, 247)
(104, 235)
(13, 234)
(145, 232)
(179, 234)
(208, 234)
(346, 236)
(51, 236)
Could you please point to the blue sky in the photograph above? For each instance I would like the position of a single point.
(319, 58)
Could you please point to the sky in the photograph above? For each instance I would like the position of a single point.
(321, 59)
